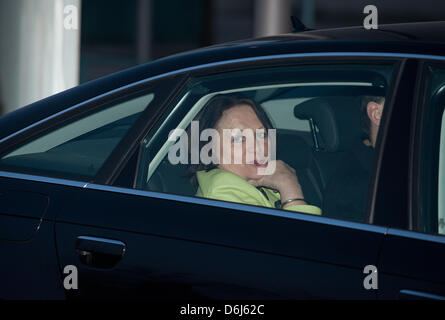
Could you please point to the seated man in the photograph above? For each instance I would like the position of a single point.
(346, 193)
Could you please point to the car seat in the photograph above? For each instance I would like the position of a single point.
(336, 127)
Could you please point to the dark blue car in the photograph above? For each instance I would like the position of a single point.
(90, 206)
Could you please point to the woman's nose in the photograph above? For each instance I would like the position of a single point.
(261, 147)
(251, 147)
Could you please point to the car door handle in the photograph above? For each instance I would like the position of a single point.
(100, 252)
(418, 295)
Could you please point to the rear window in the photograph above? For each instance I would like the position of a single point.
(77, 149)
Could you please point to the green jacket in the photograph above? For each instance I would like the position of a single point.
(223, 185)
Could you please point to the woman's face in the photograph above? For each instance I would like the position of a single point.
(247, 154)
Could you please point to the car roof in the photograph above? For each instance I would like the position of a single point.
(413, 38)
(432, 31)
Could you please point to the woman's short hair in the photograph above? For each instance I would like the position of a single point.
(212, 112)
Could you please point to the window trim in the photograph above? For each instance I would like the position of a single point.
(441, 177)
(387, 231)
(76, 111)
(200, 201)
(398, 68)
(90, 108)
(124, 151)
(418, 146)
(376, 200)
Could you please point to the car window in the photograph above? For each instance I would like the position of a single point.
(315, 112)
(281, 113)
(79, 148)
(432, 213)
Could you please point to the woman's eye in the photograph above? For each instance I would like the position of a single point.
(261, 135)
(238, 139)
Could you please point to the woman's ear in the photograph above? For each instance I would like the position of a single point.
(374, 111)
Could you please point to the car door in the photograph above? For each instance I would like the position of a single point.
(43, 170)
(28, 267)
(129, 236)
(412, 260)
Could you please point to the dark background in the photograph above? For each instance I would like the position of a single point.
(39, 57)
(109, 28)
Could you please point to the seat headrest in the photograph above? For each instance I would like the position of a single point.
(337, 118)
(287, 144)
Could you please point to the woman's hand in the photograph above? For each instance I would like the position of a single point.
(285, 181)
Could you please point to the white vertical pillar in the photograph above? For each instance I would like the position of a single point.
(39, 49)
(272, 17)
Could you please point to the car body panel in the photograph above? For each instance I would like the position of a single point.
(188, 244)
(29, 268)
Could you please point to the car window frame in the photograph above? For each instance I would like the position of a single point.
(441, 175)
(226, 65)
(124, 151)
(383, 183)
(89, 107)
(295, 60)
(422, 110)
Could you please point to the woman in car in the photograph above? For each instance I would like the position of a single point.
(246, 181)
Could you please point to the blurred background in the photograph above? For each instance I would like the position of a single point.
(48, 46)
